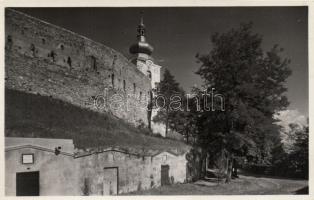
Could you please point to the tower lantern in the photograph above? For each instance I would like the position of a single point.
(141, 49)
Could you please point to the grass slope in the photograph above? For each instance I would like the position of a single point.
(29, 115)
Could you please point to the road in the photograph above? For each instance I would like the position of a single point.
(244, 185)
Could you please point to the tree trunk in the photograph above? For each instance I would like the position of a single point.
(229, 167)
(187, 136)
(167, 122)
(149, 118)
(235, 169)
(167, 126)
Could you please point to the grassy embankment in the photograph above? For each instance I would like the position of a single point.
(30, 115)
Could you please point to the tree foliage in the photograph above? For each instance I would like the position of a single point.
(253, 85)
(169, 96)
(294, 163)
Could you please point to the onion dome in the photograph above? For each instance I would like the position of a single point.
(141, 46)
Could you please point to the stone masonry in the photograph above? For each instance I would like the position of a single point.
(44, 59)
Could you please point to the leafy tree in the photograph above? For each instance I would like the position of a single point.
(167, 90)
(253, 84)
(300, 153)
(184, 121)
(295, 161)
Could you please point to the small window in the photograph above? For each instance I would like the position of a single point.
(134, 88)
(33, 49)
(69, 61)
(124, 85)
(9, 38)
(93, 63)
(112, 80)
(62, 47)
(9, 41)
(43, 41)
(52, 55)
(27, 158)
(140, 96)
(114, 60)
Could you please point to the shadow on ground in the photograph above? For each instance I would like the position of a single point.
(304, 190)
(246, 173)
(245, 185)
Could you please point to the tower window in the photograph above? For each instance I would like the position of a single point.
(124, 85)
(62, 47)
(140, 96)
(149, 74)
(134, 88)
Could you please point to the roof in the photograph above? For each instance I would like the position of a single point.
(66, 147)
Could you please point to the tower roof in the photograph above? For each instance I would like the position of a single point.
(141, 46)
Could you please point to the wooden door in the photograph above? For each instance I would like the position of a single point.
(165, 175)
(27, 184)
(110, 184)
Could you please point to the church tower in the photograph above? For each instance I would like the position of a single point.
(141, 49)
(142, 52)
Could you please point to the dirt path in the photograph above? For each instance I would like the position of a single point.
(243, 185)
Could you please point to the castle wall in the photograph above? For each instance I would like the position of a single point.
(48, 60)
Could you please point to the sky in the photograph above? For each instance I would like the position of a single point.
(179, 33)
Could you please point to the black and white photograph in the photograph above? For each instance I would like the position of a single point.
(156, 100)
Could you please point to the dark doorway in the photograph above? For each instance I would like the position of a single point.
(27, 184)
(165, 175)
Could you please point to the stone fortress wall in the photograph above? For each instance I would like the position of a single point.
(45, 59)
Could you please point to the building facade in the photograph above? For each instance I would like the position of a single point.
(39, 166)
